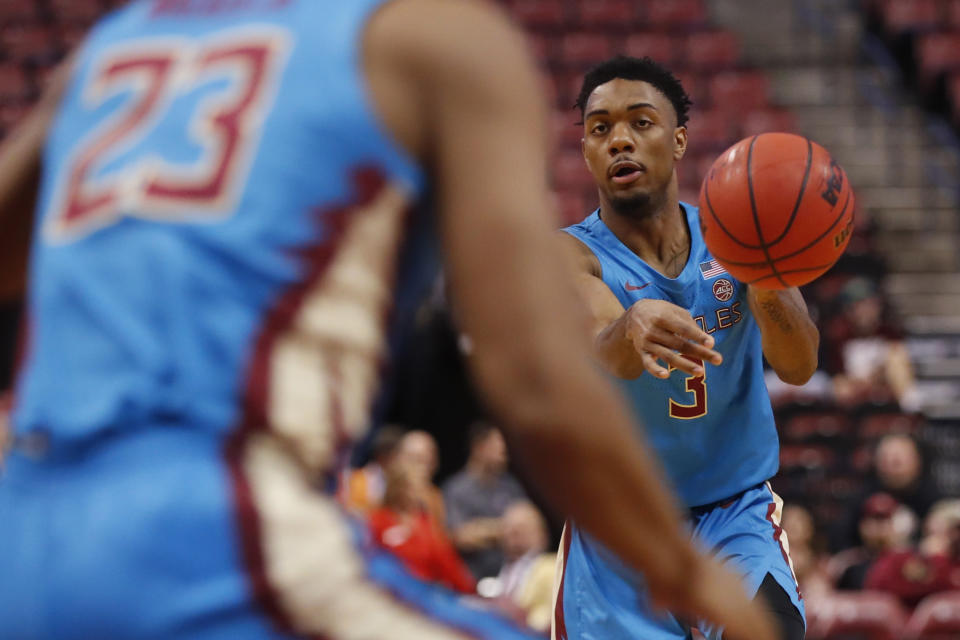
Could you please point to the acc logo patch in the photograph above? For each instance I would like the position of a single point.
(722, 289)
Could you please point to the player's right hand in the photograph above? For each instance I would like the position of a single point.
(717, 595)
(665, 334)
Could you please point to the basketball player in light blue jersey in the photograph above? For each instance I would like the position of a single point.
(687, 342)
(226, 245)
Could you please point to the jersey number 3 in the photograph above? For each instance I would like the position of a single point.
(697, 385)
(225, 125)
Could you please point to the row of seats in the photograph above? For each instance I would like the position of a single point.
(624, 14)
(925, 36)
(879, 616)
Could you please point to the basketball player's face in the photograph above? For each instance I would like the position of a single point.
(631, 143)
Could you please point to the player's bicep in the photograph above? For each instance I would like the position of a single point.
(603, 307)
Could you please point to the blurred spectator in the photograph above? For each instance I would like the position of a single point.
(805, 551)
(526, 579)
(476, 498)
(939, 527)
(899, 472)
(418, 450)
(879, 534)
(865, 352)
(409, 532)
(912, 575)
(362, 489)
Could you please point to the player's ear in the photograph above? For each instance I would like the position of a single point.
(679, 142)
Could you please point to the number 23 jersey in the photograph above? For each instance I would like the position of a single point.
(715, 434)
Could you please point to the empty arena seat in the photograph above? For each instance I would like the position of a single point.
(570, 170)
(17, 10)
(865, 615)
(26, 41)
(662, 47)
(585, 48)
(619, 13)
(14, 85)
(936, 54)
(937, 617)
(538, 13)
(571, 205)
(910, 15)
(80, 11)
(696, 86)
(712, 50)
(769, 119)
(676, 13)
(739, 91)
(952, 15)
(566, 131)
(710, 130)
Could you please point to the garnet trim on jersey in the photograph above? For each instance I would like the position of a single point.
(368, 183)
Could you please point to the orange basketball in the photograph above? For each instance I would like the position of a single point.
(776, 210)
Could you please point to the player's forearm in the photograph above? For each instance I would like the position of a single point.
(617, 352)
(790, 339)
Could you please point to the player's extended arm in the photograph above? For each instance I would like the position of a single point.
(483, 133)
(20, 156)
(790, 339)
(631, 341)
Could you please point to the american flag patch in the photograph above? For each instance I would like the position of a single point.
(711, 269)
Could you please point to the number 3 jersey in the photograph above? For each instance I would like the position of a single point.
(715, 434)
(224, 233)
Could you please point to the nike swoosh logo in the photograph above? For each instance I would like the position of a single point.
(630, 287)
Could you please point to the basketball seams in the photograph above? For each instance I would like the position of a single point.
(756, 217)
(797, 252)
(706, 193)
(803, 191)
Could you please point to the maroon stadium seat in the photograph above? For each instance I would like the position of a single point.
(712, 50)
(770, 119)
(809, 426)
(585, 48)
(739, 91)
(711, 130)
(910, 15)
(937, 617)
(952, 15)
(865, 615)
(676, 13)
(937, 53)
(13, 83)
(566, 131)
(28, 40)
(538, 13)
(570, 170)
(662, 47)
(79, 11)
(621, 13)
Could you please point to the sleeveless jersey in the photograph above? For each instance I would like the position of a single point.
(224, 229)
(715, 435)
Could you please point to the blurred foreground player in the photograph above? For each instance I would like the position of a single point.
(224, 240)
(688, 342)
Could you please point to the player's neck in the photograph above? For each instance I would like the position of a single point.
(661, 239)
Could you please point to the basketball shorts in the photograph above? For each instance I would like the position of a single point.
(600, 599)
(166, 533)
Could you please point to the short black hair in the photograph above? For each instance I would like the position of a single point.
(645, 69)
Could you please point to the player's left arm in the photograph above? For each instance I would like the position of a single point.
(790, 339)
(20, 160)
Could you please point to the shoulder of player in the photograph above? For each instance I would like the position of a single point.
(424, 57)
(578, 256)
(435, 38)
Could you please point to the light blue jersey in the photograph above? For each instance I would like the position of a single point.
(227, 246)
(715, 436)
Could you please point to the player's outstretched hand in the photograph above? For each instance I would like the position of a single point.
(662, 332)
(718, 596)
